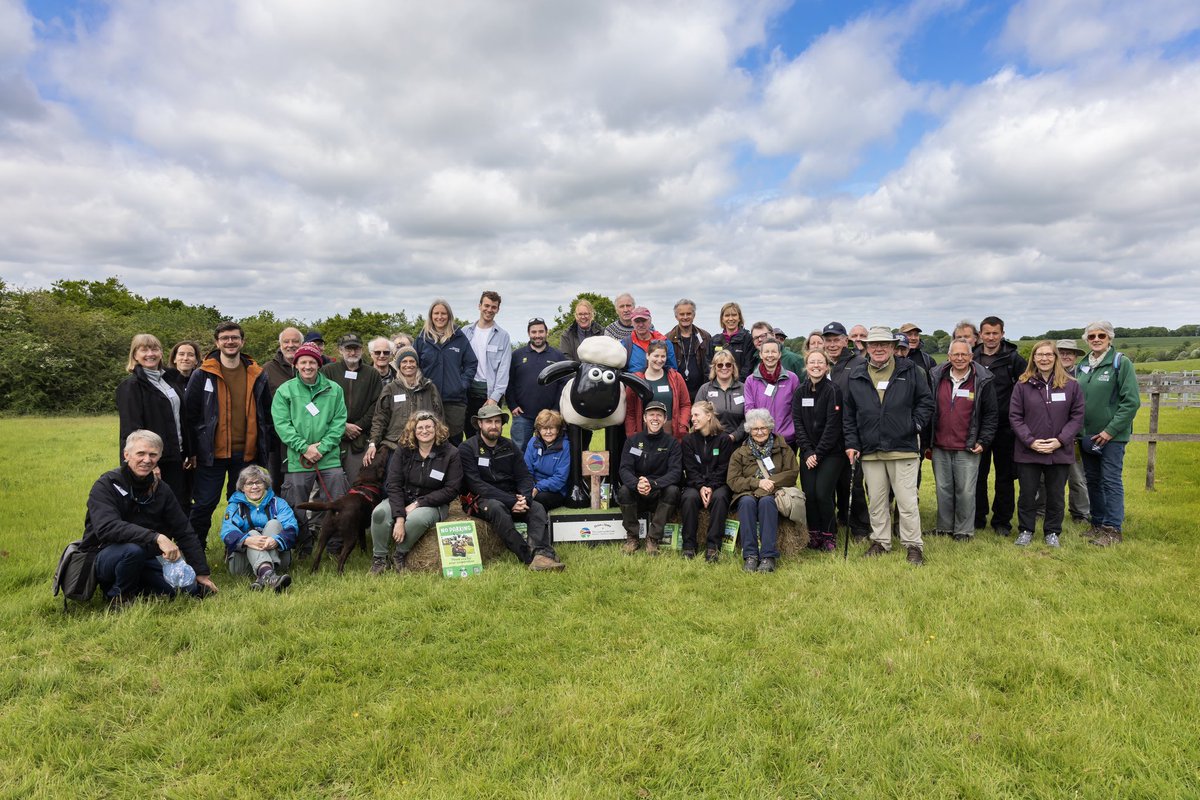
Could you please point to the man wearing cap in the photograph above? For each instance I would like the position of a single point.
(280, 370)
(886, 408)
(492, 349)
(317, 340)
(229, 422)
(361, 387)
(841, 360)
(637, 342)
(692, 346)
(500, 489)
(310, 418)
(526, 397)
(621, 327)
(1000, 356)
(915, 353)
(651, 468)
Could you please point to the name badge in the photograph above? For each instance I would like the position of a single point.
(808, 402)
(737, 401)
(769, 464)
(436, 474)
(881, 386)
(664, 389)
(208, 387)
(398, 398)
(716, 451)
(312, 409)
(967, 393)
(484, 461)
(1103, 378)
(770, 390)
(1058, 397)
(713, 394)
(634, 451)
(351, 375)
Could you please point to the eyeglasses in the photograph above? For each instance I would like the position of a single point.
(1099, 335)
(757, 429)
(229, 338)
(535, 321)
(381, 352)
(725, 366)
(248, 484)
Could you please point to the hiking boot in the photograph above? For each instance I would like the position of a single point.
(712, 556)
(689, 554)
(829, 543)
(766, 565)
(379, 565)
(876, 549)
(543, 563)
(1078, 519)
(963, 537)
(1090, 532)
(630, 545)
(1024, 538)
(915, 557)
(1002, 530)
(259, 583)
(1051, 540)
(750, 564)
(118, 603)
(1108, 536)
(651, 546)
(278, 582)
(398, 561)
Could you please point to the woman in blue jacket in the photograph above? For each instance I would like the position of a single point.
(259, 532)
(548, 457)
(448, 360)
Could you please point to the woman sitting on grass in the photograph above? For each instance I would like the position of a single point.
(548, 457)
(259, 532)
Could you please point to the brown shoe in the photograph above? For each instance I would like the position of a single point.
(651, 547)
(1090, 532)
(876, 549)
(630, 545)
(543, 563)
(916, 557)
(1108, 536)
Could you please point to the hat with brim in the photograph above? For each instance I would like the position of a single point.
(489, 412)
(880, 333)
(656, 405)
(901, 340)
(909, 327)
(641, 312)
(834, 329)
(1069, 344)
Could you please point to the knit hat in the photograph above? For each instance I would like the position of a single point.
(406, 352)
(312, 351)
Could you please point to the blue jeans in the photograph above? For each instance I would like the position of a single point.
(758, 525)
(955, 475)
(521, 431)
(1106, 487)
(206, 491)
(129, 570)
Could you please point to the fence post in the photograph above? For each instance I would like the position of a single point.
(1152, 446)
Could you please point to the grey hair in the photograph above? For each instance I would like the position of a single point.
(383, 339)
(756, 417)
(253, 471)
(143, 435)
(683, 301)
(966, 323)
(1101, 325)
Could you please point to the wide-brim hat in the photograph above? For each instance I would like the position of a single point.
(489, 412)
(1069, 344)
(881, 333)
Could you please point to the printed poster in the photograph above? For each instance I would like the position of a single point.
(458, 546)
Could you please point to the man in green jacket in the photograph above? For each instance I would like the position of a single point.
(309, 412)
(1110, 401)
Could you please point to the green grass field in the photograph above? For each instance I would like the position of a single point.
(992, 672)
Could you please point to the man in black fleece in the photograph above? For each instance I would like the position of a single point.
(651, 466)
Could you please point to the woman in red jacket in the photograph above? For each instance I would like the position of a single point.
(668, 387)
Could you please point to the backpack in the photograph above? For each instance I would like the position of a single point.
(75, 576)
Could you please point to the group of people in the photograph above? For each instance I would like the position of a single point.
(732, 421)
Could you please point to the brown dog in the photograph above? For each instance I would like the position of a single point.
(350, 514)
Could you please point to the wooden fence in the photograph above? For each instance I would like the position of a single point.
(1181, 389)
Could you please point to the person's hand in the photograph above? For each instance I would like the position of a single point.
(643, 486)
(516, 412)
(398, 530)
(169, 549)
(521, 505)
(491, 402)
(189, 463)
(811, 462)
(767, 485)
(207, 582)
(928, 454)
(313, 454)
(851, 454)
(1102, 438)
(706, 495)
(353, 431)
(977, 449)
(369, 456)
(411, 507)
(535, 491)
(254, 542)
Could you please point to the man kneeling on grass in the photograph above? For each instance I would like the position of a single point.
(651, 466)
(132, 519)
(259, 532)
(499, 488)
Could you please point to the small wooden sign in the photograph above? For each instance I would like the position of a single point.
(595, 464)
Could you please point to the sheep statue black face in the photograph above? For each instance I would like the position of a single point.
(595, 397)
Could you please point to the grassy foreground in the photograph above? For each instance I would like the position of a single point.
(992, 672)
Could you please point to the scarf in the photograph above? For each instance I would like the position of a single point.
(727, 337)
(155, 376)
(773, 376)
(761, 453)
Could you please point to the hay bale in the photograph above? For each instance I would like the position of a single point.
(793, 536)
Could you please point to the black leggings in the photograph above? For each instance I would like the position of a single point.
(819, 485)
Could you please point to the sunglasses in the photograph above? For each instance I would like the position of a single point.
(381, 352)
(1092, 336)
(535, 321)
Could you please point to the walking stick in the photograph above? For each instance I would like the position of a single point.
(849, 511)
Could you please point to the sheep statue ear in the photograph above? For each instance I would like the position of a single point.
(639, 386)
(603, 350)
(557, 371)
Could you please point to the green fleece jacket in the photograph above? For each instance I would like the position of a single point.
(297, 426)
(1110, 397)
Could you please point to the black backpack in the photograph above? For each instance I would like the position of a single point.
(76, 574)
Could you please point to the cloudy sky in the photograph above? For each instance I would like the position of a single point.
(815, 160)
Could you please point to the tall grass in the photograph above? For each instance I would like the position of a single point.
(992, 672)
